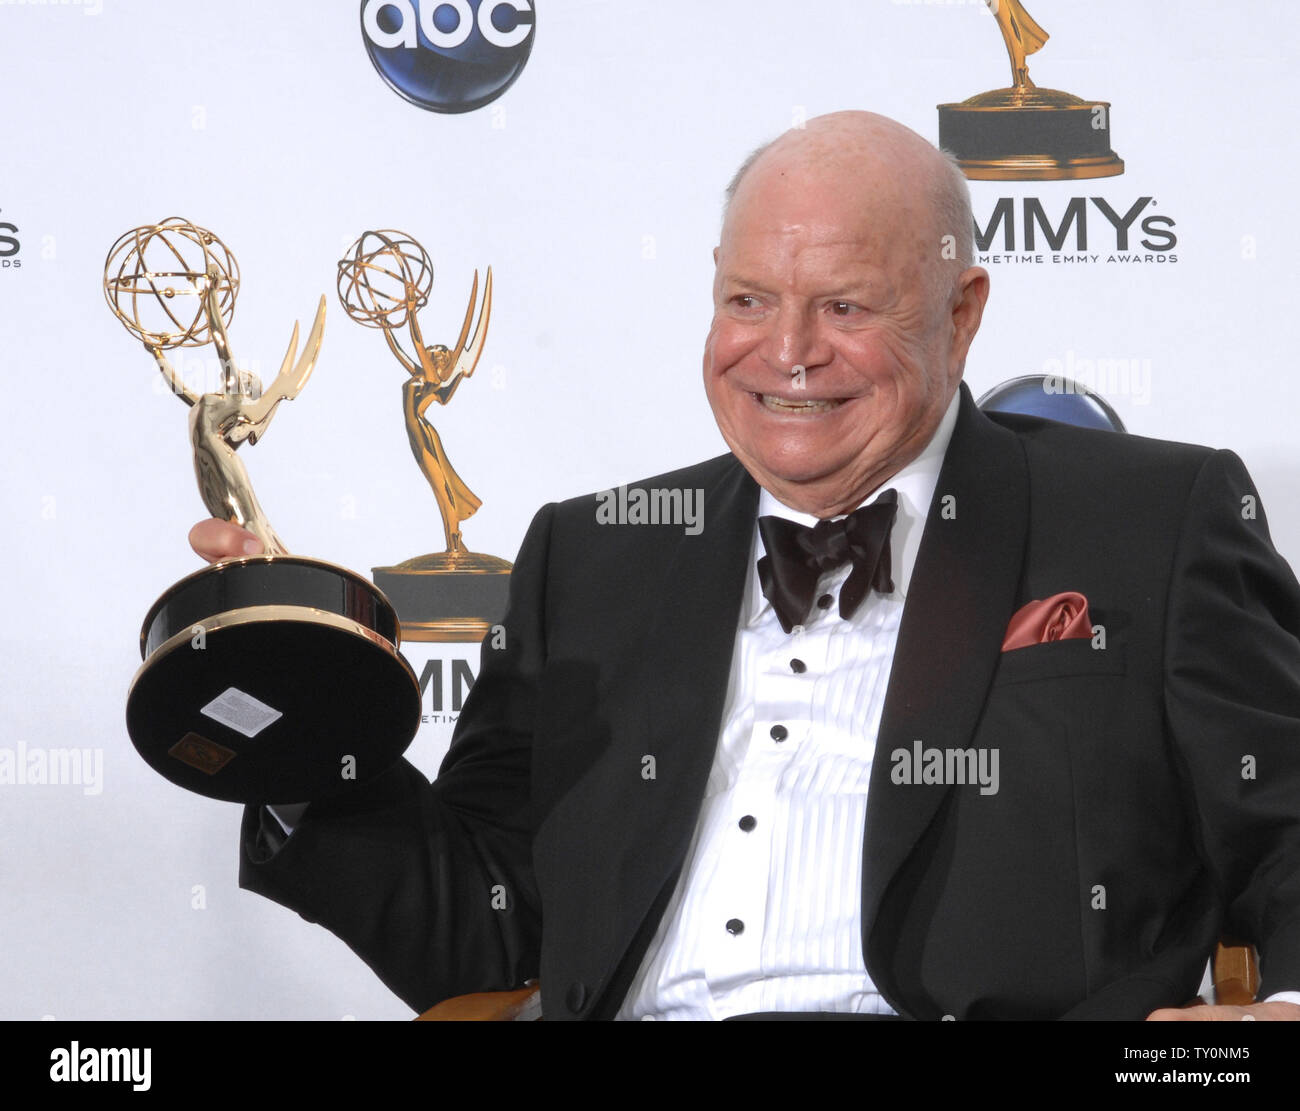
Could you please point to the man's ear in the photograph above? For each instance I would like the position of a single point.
(715, 255)
(968, 311)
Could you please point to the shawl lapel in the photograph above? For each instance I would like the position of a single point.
(684, 670)
(962, 594)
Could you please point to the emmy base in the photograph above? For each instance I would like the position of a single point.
(447, 596)
(1046, 136)
(272, 679)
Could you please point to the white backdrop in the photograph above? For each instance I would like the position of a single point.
(592, 187)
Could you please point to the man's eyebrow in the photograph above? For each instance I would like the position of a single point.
(857, 280)
(862, 280)
(740, 281)
(852, 288)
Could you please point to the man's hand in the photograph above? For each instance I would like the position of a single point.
(1262, 1012)
(214, 540)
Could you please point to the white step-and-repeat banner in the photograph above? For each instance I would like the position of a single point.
(580, 148)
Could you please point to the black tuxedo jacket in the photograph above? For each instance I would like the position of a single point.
(1149, 789)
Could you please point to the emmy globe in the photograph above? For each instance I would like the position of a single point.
(273, 678)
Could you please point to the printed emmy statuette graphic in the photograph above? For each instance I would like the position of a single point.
(455, 594)
(1024, 133)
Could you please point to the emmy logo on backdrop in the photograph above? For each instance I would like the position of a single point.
(275, 677)
(1024, 133)
(456, 594)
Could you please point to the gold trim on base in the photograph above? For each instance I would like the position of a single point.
(1021, 97)
(454, 630)
(222, 565)
(252, 615)
(1041, 167)
(450, 563)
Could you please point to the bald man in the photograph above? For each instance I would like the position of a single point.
(938, 715)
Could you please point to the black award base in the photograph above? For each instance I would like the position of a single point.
(447, 596)
(1029, 134)
(272, 679)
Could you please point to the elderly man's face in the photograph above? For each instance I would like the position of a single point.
(832, 357)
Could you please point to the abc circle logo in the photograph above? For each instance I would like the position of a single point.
(448, 55)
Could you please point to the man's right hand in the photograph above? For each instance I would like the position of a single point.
(214, 540)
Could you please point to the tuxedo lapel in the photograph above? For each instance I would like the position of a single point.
(962, 593)
(682, 684)
(688, 650)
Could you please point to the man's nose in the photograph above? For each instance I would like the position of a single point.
(795, 340)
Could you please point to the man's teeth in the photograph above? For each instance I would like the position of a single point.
(780, 405)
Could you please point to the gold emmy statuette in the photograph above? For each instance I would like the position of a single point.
(456, 594)
(273, 678)
(1024, 133)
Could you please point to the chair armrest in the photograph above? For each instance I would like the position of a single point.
(520, 1005)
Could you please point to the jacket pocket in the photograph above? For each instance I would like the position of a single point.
(1058, 659)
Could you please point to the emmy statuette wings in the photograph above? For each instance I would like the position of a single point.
(1023, 132)
(276, 677)
(383, 282)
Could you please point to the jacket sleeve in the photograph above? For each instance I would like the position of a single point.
(432, 884)
(1232, 698)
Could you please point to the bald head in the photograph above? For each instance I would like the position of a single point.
(872, 154)
(843, 308)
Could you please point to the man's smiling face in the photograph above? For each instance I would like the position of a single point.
(837, 340)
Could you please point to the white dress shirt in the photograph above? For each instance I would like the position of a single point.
(767, 914)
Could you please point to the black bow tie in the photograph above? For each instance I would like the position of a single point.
(797, 556)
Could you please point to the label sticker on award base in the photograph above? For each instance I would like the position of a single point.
(199, 752)
(233, 708)
(269, 679)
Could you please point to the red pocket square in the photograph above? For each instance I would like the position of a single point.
(1060, 617)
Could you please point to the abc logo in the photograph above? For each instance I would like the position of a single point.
(448, 55)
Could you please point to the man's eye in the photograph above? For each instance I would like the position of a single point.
(744, 301)
(843, 308)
